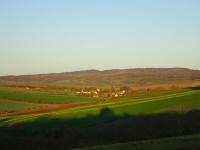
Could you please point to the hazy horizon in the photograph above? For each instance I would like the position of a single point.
(92, 69)
(39, 37)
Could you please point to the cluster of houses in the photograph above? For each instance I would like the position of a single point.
(89, 93)
(99, 93)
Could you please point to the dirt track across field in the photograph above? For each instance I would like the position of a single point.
(46, 109)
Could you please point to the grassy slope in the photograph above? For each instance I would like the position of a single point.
(11, 106)
(46, 99)
(141, 106)
(175, 143)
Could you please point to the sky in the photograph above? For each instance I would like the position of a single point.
(47, 36)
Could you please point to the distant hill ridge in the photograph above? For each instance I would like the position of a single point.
(107, 77)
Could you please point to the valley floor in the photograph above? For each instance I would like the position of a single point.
(134, 119)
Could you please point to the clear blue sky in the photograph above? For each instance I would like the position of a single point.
(43, 36)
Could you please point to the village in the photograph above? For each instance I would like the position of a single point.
(101, 93)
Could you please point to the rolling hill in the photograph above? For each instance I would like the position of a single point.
(116, 77)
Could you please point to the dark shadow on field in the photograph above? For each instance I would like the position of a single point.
(195, 88)
(61, 134)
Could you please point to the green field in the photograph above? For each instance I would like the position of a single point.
(184, 101)
(130, 119)
(12, 106)
(45, 99)
(167, 103)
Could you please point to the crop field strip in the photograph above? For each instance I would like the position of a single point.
(12, 106)
(95, 109)
(44, 99)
